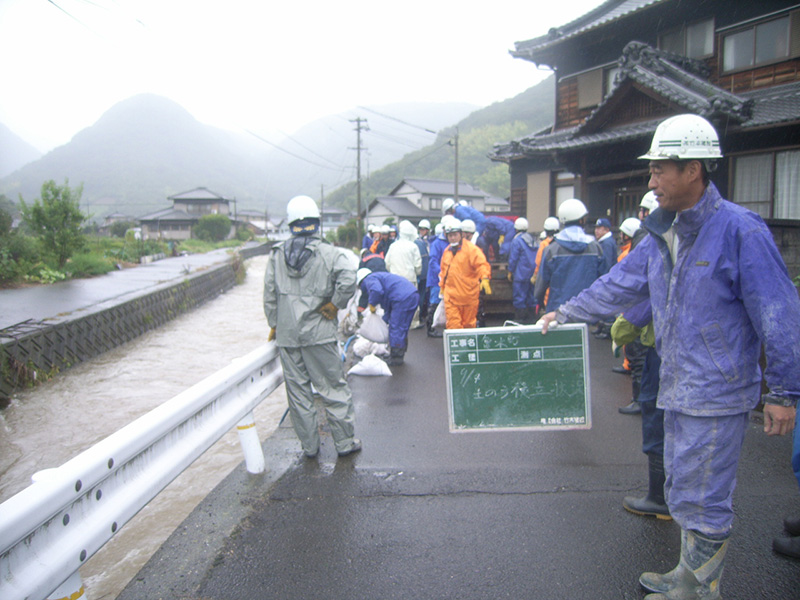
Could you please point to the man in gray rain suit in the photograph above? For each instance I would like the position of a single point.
(306, 282)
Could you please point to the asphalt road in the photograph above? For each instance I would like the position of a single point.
(422, 513)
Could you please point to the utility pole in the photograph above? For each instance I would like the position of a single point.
(321, 207)
(361, 125)
(454, 143)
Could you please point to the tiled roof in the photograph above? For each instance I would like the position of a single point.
(168, 214)
(402, 207)
(607, 12)
(200, 193)
(441, 187)
(777, 104)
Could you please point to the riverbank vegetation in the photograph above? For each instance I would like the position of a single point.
(53, 242)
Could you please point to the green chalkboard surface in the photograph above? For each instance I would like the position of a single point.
(516, 378)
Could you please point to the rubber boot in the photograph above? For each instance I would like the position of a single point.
(395, 356)
(431, 329)
(697, 575)
(519, 315)
(635, 407)
(652, 505)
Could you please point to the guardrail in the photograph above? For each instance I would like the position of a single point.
(52, 527)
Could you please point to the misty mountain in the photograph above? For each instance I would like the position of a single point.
(147, 148)
(14, 151)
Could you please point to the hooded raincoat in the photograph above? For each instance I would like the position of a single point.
(403, 257)
(570, 264)
(521, 264)
(399, 299)
(459, 279)
(719, 290)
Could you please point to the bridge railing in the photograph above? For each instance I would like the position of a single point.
(50, 529)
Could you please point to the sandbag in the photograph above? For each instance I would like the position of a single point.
(374, 328)
(439, 317)
(370, 365)
(362, 347)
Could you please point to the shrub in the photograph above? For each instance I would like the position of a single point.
(89, 265)
(212, 228)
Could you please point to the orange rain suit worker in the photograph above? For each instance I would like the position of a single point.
(460, 280)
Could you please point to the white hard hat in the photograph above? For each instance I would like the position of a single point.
(463, 203)
(447, 204)
(649, 201)
(370, 227)
(424, 224)
(543, 235)
(468, 226)
(571, 210)
(684, 137)
(521, 224)
(385, 229)
(301, 207)
(551, 224)
(360, 274)
(629, 226)
(452, 225)
(438, 229)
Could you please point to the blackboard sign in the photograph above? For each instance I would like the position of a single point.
(516, 378)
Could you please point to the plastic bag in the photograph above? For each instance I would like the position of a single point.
(370, 365)
(374, 328)
(439, 317)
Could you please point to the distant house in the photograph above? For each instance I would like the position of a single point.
(334, 217)
(176, 223)
(105, 227)
(417, 199)
(627, 65)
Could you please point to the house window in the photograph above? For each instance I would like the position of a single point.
(436, 203)
(769, 184)
(764, 43)
(590, 88)
(695, 40)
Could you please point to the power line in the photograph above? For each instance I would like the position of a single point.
(291, 153)
(398, 120)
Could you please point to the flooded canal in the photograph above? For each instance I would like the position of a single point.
(46, 426)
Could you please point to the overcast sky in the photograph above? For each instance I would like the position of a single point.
(263, 65)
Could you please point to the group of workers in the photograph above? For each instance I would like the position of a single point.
(697, 281)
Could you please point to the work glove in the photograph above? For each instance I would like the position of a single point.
(360, 309)
(271, 335)
(510, 276)
(533, 278)
(329, 310)
(372, 308)
(485, 287)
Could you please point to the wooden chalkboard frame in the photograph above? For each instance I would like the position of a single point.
(526, 381)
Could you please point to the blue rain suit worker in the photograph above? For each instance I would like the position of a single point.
(462, 211)
(719, 290)
(521, 265)
(572, 262)
(497, 236)
(438, 245)
(306, 282)
(399, 299)
(373, 262)
(604, 237)
(422, 281)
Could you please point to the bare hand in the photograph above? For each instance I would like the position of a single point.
(546, 320)
(778, 420)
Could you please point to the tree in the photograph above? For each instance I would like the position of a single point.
(212, 228)
(56, 220)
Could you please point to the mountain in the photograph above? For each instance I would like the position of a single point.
(526, 113)
(147, 148)
(14, 151)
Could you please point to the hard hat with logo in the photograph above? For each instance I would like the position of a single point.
(521, 224)
(360, 274)
(551, 224)
(452, 225)
(649, 201)
(684, 137)
(468, 226)
(301, 207)
(571, 210)
(629, 226)
(424, 224)
(447, 204)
